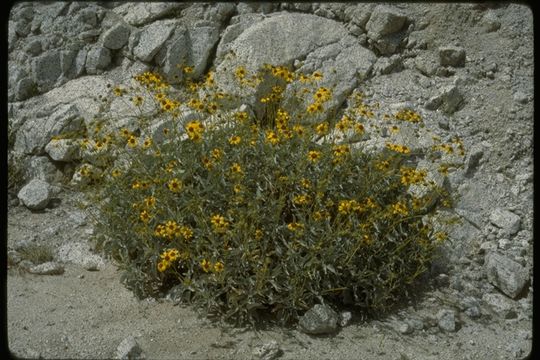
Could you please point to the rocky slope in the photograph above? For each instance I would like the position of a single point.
(467, 68)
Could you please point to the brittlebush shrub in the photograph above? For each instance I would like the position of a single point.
(267, 214)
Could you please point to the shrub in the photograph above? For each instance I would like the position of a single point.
(268, 211)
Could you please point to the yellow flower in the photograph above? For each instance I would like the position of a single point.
(398, 148)
(116, 173)
(188, 69)
(359, 128)
(301, 199)
(150, 201)
(240, 72)
(171, 227)
(235, 140)
(137, 100)
(132, 141)
(162, 266)
(236, 168)
(295, 227)
(258, 234)
(145, 216)
(206, 265)
(322, 128)
(186, 232)
(218, 267)
(299, 129)
(314, 156)
(399, 208)
(217, 153)
(272, 137)
(341, 150)
(147, 143)
(241, 116)
(219, 223)
(175, 185)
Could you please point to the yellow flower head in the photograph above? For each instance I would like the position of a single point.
(175, 185)
(322, 128)
(206, 265)
(314, 156)
(145, 216)
(218, 267)
(235, 140)
(162, 266)
(132, 141)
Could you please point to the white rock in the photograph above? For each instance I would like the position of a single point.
(321, 319)
(385, 20)
(48, 268)
(509, 222)
(63, 150)
(36, 194)
(447, 320)
(507, 275)
(129, 349)
(268, 351)
(152, 39)
(452, 56)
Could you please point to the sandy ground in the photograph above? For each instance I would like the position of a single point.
(86, 314)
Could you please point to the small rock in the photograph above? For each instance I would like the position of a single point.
(473, 312)
(48, 268)
(506, 274)
(14, 257)
(504, 244)
(521, 97)
(268, 351)
(449, 100)
(25, 88)
(34, 47)
(345, 318)
(387, 65)
(36, 194)
(452, 56)
(490, 22)
(473, 160)
(26, 264)
(89, 36)
(506, 220)
(404, 328)
(129, 349)
(447, 320)
(321, 319)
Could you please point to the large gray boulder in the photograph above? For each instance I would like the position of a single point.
(47, 68)
(283, 38)
(152, 38)
(143, 13)
(117, 36)
(36, 132)
(36, 194)
(384, 28)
